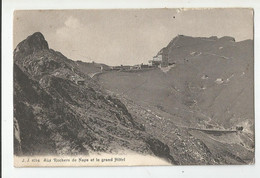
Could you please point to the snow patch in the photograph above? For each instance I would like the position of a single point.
(194, 53)
(247, 125)
(204, 77)
(219, 81)
(203, 88)
(228, 79)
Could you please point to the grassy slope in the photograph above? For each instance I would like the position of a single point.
(186, 99)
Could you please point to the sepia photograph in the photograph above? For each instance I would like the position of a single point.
(133, 87)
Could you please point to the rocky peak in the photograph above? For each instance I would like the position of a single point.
(31, 44)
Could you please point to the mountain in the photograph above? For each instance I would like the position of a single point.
(218, 77)
(56, 115)
(60, 110)
(208, 87)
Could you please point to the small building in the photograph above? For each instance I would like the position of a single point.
(155, 62)
(144, 66)
(159, 60)
(125, 67)
(116, 68)
(135, 67)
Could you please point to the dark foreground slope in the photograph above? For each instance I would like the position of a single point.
(53, 115)
(210, 86)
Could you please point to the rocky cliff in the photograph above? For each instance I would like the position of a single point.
(53, 114)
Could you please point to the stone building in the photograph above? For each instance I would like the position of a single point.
(159, 60)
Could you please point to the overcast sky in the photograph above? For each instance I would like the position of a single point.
(117, 37)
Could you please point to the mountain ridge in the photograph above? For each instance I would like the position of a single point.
(209, 86)
(55, 115)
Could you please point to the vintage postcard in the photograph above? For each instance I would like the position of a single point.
(130, 87)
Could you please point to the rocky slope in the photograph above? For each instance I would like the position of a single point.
(56, 116)
(210, 86)
(216, 76)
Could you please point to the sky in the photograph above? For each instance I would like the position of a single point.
(127, 36)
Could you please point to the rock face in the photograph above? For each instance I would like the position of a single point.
(33, 43)
(55, 115)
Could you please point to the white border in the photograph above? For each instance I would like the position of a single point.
(155, 171)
